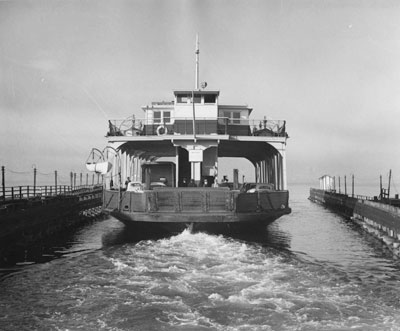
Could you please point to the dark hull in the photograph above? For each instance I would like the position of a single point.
(215, 224)
(205, 209)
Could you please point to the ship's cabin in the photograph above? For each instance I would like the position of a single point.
(176, 118)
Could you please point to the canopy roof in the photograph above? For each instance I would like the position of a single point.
(254, 151)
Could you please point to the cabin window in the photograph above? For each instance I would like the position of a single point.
(157, 117)
(167, 117)
(162, 117)
(234, 117)
(209, 98)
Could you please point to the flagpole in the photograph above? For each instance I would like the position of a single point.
(197, 52)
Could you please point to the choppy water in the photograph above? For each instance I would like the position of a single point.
(312, 270)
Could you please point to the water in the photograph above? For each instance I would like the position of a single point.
(311, 270)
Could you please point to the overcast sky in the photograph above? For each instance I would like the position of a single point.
(331, 68)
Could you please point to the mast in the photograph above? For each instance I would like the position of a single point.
(197, 52)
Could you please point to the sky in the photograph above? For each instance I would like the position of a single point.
(330, 68)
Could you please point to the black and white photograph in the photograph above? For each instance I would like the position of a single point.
(200, 165)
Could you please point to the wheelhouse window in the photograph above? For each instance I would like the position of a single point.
(209, 98)
(187, 98)
(197, 98)
(183, 98)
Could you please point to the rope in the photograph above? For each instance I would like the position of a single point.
(61, 179)
(40, 173)
(19, 172)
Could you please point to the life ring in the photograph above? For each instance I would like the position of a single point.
(161, 130)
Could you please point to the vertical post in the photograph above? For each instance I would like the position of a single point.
(176, 167)
(147, 178)
(87, 179)
(235, 179)
(339, 185)
(34, 181)
(352, 186)
(55, 180)
(3, 182)
(390, 178)
(92, 179)
(380, 186)
(334, 183)
(345, 186)
(256, 172)
(72, 179)
(80, 179)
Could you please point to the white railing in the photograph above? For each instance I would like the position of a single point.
(204, 125)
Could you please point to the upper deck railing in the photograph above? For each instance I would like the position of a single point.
(203, 125)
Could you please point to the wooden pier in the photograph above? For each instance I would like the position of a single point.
(379, 217)
(29, 214)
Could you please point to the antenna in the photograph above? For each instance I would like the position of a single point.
(197, 52)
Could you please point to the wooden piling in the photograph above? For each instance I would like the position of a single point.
(3, 182)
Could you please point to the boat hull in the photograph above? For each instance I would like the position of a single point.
(212, 223)
(202, 209)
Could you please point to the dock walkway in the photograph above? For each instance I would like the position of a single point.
(379, 217)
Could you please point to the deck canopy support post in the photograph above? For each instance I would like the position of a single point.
(176, 166)
(284, 179)
(265, 170)
(257, 168)
(275, 173)
(270, 170)
(279, 171)
(262, 163)
(196, 172)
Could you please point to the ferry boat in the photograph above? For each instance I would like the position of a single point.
(165, 174)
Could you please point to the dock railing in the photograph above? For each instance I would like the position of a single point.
(364, 197)
(19, 193)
